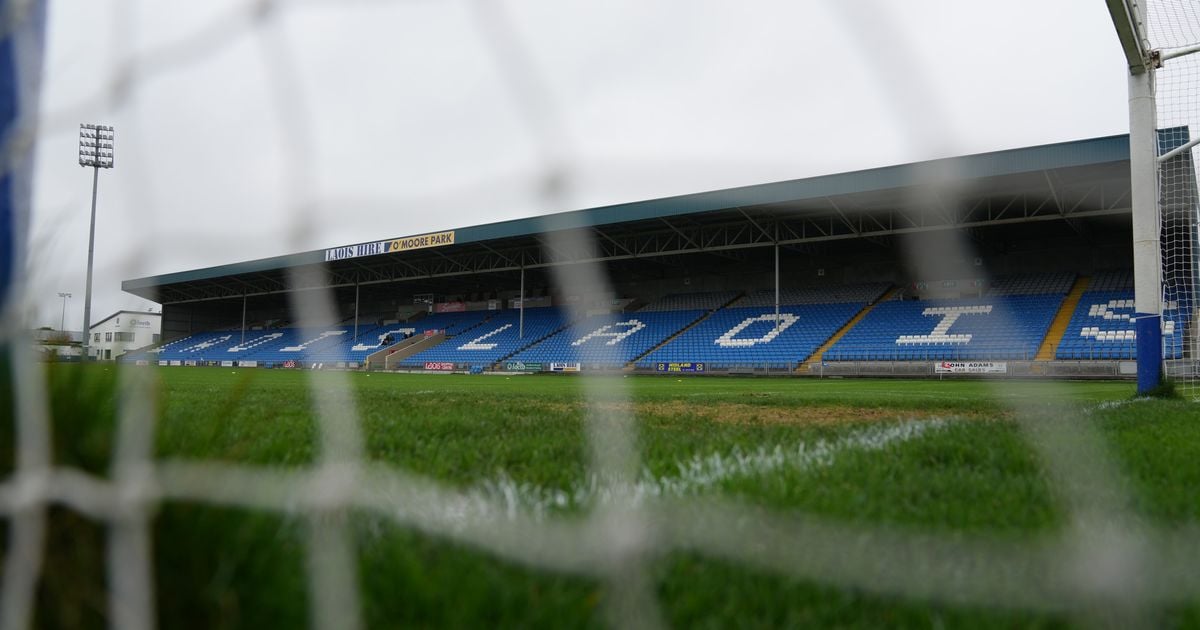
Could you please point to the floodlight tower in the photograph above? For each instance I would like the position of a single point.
(96, 151)
(63, 321)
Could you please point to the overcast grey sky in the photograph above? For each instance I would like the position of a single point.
(395, 118)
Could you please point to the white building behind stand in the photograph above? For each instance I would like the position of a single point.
(124, 331)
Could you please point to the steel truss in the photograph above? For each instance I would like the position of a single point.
(721, 233)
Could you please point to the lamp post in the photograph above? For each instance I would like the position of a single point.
(62, 323)
(96, 151)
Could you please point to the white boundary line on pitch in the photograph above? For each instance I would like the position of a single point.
(693, 475)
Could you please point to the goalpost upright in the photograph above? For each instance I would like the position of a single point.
(1148, 157)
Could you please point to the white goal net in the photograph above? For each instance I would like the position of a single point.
(1173, 27)
(1105, 566)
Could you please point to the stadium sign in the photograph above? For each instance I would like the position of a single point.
(522, 366)
(439, 366)
(564, 367)
(436, 239)
(970, 367)
(680, 367)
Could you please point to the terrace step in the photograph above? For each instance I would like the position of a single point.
(815, 358)
(403, 349)
(1061, 321)
(500, 362)
(630, 366)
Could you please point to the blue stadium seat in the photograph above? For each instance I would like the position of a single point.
(1102, 326)
(205, 346)
(325, 345)
(999, 327)
(607, 341)
(751, 338)
(494, 340)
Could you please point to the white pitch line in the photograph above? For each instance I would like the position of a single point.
(1117, 404)
(500, 498)
(507, 498)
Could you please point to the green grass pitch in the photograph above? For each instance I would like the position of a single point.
(218, 567)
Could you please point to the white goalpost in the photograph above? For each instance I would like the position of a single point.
(1159, 39)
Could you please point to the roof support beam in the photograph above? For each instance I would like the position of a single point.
(809, 232)
(1054, 193)
(838, 209)
(754, 223)
(502, 256)
(681, 234)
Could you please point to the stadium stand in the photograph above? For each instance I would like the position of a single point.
(152, 353)
(329, 344)
(1112, 281)
(356, 349)
(1102, 327)
(496, 339)
(372, 340)
(1009, 323)
(608, 341)
(204, 346)
(1001, 327)
(749, 337)
(691, 301)
(1032, 284)
(452, 323)
(294, 344)
(862, 293)
(732, 337)
(228, 345)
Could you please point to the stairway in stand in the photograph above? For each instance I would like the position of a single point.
(629, 366)
(815, 357)
(1059, 326)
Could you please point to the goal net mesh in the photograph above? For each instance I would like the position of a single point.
(1173, 25)
(1104, 566)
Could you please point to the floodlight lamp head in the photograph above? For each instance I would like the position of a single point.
(96, 145)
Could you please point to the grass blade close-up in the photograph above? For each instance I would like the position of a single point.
(906, 458)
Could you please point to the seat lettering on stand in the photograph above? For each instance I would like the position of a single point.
(475, 345)
(324, 335)
(208, 344)
(362, 347)
(940, 333)
(728, 340)
(241, 347)
(632, 326)
(1120, 313)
